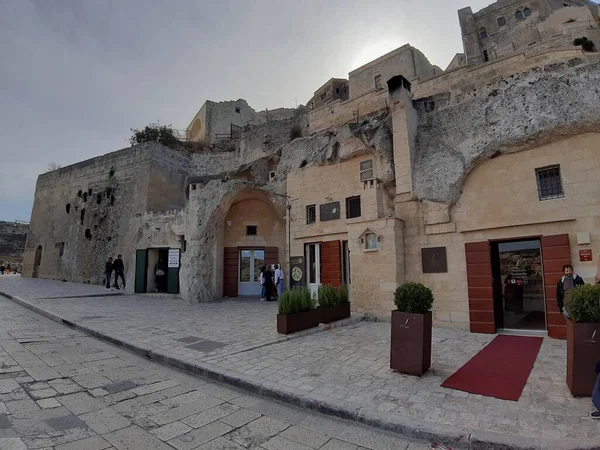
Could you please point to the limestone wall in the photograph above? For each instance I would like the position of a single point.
(12, 243)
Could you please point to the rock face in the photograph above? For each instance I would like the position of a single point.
(13, 236)
(517, 113)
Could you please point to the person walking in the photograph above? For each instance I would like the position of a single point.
(565, 285)
(108, 268)
(119, 269)
(2, 269)
(8, 269)
(268, 277)
(278, 280)
(261, 280)
(596, 393)
(160, 275)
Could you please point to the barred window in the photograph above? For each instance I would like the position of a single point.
(549, 182)
(353, 207)
(366, 170)
(311, 214)
(501, 21)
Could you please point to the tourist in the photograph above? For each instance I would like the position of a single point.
(2, 269)
(278, 280)
(160, 275)
(596, 393)
(108, 268)
(261, 280)
(8, 269)
(119, 269)
(566, 284)
(268, 283)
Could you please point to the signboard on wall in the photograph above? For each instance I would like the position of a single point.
(173, 260)
(434, 260)
(585, 255)
(297, 271)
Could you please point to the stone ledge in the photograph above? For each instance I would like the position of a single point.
(406, 427)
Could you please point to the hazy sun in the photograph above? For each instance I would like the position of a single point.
(373, 51)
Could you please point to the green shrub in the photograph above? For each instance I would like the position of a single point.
(584, 305)
(413, 298)
(296, 300)
(327, 296)
(342, 294)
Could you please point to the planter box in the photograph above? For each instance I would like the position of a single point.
(334, 313)
(583, 350)
(411, 342)
(297, 322)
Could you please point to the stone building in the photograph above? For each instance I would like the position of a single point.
(509, 26)
(334, 89)
(12, 243)
(480, 182)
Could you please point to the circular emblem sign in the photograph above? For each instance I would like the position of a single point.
(296, 274)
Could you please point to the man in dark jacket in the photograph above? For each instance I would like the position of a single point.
(108, 268)
(119, 269)
(596, 393)
(565, 285)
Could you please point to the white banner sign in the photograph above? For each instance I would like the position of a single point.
(173, 257)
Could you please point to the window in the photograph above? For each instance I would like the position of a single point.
(527, 12)
(250, 230)
(371, 241)
(311, 214)
(337, 90)
(323, 95)
(501, 21)
(482, 33)
(549, 182)
(366, 170)
(352, 207)
(61, 248)
(272, 175)
(519, 15)
(378, 82)
(486, 58)
(238, 109)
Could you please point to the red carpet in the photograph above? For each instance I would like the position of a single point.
(500, 370)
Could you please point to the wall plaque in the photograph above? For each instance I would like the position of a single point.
(585, 255)
(329, 211)
(434, 260)
(173, 260)
(297, 271)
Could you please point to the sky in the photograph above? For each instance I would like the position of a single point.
(77, 75)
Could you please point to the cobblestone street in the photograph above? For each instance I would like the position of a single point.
(347, 366)
(61, 389)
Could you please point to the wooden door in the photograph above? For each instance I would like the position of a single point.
(480, 287)
(230, 272)
(331, 264)
(556, 252)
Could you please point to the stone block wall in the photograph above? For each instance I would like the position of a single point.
(12, 243)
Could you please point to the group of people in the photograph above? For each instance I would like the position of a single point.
(5, 270)
(569, 281)
(271, 282)
(118, 268)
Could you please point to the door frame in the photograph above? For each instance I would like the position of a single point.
(313, 287)
(497, 281)
(252, 250)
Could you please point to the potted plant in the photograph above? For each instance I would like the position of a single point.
(411, 329)
(583, 338)
(296, 311)
(333, 305)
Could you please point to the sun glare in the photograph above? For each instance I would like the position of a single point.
(373, 51)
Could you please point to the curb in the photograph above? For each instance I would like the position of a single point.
(456, 438)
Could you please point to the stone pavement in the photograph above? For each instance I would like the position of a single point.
(61, 389)
(344, 371)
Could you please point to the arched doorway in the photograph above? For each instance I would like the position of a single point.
(37, 261)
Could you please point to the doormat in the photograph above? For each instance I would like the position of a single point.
(500, 370)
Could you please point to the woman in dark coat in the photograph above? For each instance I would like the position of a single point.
(268, 283)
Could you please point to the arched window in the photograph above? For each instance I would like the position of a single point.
(526, 12)
(482, 33)
(519, 15)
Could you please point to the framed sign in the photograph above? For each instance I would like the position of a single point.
(173, 258)
(434, 260)
(585, 255)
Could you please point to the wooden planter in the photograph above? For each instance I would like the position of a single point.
(411, 342)
(334, 313)
(297, 322)
(583, 350)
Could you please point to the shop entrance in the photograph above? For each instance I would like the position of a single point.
(251, 260)
(157, 270)
(519, 301)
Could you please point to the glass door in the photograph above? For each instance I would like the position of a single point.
(522, 277)
(313, 267)
(251, 260)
